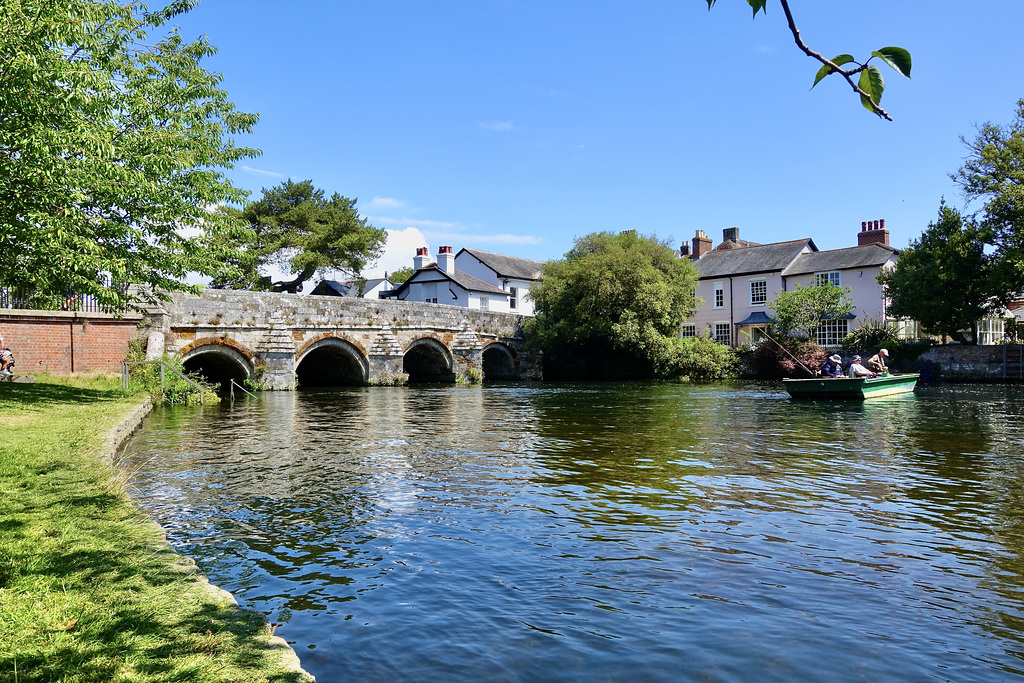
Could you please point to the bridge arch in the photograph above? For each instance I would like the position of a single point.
(499, 362)
(331, 362)
(428, 360)
(218, 362)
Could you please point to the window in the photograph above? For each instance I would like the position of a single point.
(722, 335)
(484, 303)
(990, 331)
(829, 278)
(688, 330)
(431, 299)
(512, 297)
(719, 295)
(758, 292)
(904, 329)
(831, 332)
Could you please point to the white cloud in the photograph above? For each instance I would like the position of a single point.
(386, 203)
(765, 49)
(471, 240)
(410, 222)
(398, 252)
(499, 126)
(258, 171)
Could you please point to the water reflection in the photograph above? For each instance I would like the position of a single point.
(625, 532)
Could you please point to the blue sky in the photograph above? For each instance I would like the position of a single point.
(515, 126)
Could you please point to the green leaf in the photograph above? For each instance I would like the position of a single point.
(758, 5)
(896, 57)
(872, 83)
(825, 70)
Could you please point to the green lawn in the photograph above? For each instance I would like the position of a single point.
(88, 589)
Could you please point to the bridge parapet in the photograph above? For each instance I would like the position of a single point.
(277, 332)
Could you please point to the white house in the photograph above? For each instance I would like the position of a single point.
(739, 280)
(508, 273)
(439, 282)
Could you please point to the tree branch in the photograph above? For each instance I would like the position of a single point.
(847, 74)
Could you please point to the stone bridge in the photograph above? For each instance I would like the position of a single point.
(289, 340)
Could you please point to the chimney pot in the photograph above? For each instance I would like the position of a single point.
(701, 244)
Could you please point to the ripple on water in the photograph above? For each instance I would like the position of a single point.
(631, 532)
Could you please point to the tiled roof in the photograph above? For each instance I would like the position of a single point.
(764, 258)
(507, 266)
(464, 280)
(840, 259)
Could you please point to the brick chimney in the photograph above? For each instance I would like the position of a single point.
(684, 249)
(701, 245)
(446, 260)
(873, 232)
(422, 258)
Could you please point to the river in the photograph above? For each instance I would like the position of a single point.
(616, 532)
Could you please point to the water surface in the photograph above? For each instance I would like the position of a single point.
(640, 532)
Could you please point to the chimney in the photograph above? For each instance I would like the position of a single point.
(873, 232)
(684, 249)
(422, 258)
(701, 245)
(731, 235)
(446, 260)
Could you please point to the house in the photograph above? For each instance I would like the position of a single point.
(370, 290)
(440, 282)
(738, 280)
(509, 273)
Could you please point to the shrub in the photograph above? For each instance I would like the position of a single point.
(873, 334)
(786, 357)
(699, 359)
(170, 389)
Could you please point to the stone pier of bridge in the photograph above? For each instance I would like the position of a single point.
(287, 340)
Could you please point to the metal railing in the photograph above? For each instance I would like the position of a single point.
(164, 366)
(32, 300)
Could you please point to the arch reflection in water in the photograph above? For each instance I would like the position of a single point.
(627, 532)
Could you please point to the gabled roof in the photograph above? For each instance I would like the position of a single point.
(840, 259)
(335, 288)
(507, 266)
(764, 258)
(463, 280)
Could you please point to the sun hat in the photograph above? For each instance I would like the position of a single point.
(856, 357)
(884, 352)
(836, 358)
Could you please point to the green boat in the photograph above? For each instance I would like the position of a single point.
(851, 388)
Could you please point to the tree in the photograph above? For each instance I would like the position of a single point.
(111, 147)
(615, 292)
(803, 309)
(296, 227)
(994, 173)
(870, 83)
(944, 279)
(400, 275)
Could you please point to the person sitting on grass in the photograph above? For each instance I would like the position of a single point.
(6, 361)
(832, 367)
(858, 370)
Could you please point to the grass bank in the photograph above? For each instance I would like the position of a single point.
(89, 591)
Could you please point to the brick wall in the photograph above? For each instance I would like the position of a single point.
(63, 342)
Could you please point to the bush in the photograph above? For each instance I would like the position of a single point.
(787, 357)
(699, 359)
(872, 335)
(172, 389)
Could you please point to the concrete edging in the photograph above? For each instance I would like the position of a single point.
(112, 449)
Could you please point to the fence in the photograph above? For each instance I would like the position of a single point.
(32, 300)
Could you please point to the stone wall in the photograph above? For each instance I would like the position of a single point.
(964, 363)
(62, 342)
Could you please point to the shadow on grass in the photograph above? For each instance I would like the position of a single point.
(42, 394)
(149, 625)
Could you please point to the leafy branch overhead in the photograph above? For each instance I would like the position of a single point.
(865, 78)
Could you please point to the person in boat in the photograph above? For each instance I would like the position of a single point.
(832, 367)
(858, 370)
(877, 362)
